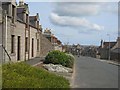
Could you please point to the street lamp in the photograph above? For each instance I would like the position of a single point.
(109, 46)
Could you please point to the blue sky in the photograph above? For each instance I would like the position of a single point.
(78, 22)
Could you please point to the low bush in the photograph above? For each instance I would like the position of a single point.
(21, 75)
(57, 57)
(70, 60)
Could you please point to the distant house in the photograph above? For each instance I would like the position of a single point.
(57, 44)
(75, 49)
(116, 50)
(104, 49)
(47, 33)
(90, 51)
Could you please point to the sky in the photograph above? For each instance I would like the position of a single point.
(85, 23)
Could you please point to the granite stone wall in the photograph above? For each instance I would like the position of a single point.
(10, 30)
(46, 46)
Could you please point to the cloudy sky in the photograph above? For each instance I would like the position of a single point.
(85, 23)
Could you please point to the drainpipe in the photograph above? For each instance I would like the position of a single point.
(3, 58)
(6, 29)
(25, 44)
(5, 32)
(29, 43)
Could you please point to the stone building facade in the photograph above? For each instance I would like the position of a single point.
(21, 34)
(104, 50)
(57, 44)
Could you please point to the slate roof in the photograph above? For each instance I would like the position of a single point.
(32, 20)
(116, 50)
(18, 18)
(106, 44)
(20, 10)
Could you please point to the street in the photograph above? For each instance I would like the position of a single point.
(92, 73)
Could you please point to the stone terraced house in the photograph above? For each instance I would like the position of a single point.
(57, 44)
(20, 34)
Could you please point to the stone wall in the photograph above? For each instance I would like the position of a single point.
(104, 53)
(1, 49)
(17, 30)
(1, 38)
(46, 46)
(33, 35)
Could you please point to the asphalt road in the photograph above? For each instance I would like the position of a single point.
(92, 73)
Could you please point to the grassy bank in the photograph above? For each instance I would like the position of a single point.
(21, 75)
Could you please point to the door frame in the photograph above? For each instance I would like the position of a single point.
(18, 48)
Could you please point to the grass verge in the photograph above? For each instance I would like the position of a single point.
(21, 75)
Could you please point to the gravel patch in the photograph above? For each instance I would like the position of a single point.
(57, 68)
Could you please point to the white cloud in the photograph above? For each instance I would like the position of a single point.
(84, 8)
(111, 9)
(74, 22)
(77, 9)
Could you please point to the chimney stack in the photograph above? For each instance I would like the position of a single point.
(21, 2)
(102, 43)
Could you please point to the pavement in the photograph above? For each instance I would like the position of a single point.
(110, 62)
(35, 61)
(93, 73)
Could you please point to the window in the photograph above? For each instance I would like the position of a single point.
(37, 24)
(37, 44)
(26, 44)
(26, 18)
(26, 25)
(5, 6)
(13, 13)
(12, 43)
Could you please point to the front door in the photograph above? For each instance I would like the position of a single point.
(18, 49)
(32, 47)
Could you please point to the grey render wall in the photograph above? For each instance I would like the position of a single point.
(1, 51)
(2, 36)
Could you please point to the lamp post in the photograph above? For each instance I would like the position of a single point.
(109, 46)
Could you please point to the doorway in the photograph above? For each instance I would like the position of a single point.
(18, 49)
(32, 47)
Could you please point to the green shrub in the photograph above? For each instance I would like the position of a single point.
(21, 75)
(70, 60)
(57, 57)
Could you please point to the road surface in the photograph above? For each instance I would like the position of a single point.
(93, 73)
